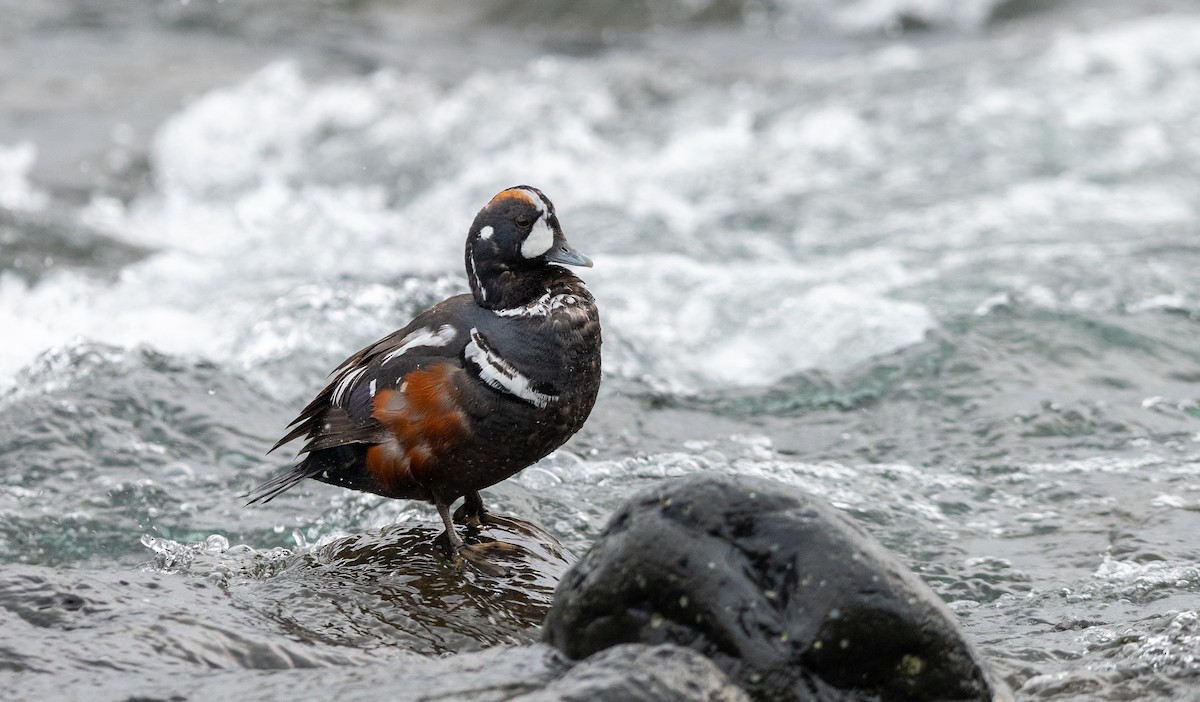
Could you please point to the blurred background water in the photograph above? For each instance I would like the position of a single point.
(935, 261)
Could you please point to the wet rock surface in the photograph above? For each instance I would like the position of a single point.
(782, 592)
(302, 626)
(399, 584)
(708, 587)
(640, 673)
(536, 673)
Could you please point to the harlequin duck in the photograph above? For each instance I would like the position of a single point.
(475, 388)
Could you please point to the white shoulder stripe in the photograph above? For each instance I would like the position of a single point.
(423, 337)
(500, 374)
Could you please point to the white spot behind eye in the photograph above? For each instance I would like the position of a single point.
(486, 232)
(540, 239)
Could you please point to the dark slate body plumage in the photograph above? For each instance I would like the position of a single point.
(472, 390)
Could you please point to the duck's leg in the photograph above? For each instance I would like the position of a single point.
(443, 509)
(473, 514)
(475, 554)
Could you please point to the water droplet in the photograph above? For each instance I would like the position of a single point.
(216, 544)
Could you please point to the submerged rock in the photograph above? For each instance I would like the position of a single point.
(785, 594)
(399, 585)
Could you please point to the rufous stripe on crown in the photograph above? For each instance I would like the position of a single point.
(517, 193)
(524, 194)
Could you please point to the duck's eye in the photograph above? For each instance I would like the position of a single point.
(523, 221)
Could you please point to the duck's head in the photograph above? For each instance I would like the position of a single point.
(515, 234)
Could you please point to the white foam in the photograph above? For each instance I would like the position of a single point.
(150, 305)
(1139, 51)
(1147, 576)
(870, 16)
(763, 230)
(16, 193)
(735, 323)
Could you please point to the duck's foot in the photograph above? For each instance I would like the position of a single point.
(472, 520)
(471, 512)
(479, 556)
(503, 522)
(479, 520)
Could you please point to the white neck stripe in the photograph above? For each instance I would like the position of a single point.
(475, 276)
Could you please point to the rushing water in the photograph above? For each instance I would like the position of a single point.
(933, 261)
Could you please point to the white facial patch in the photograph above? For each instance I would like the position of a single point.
(500, 374)
(423, 337)
(540, 238)
(486, 232)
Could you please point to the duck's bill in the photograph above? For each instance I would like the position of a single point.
(562, 252)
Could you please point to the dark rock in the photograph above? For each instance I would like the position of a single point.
(785, 594)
